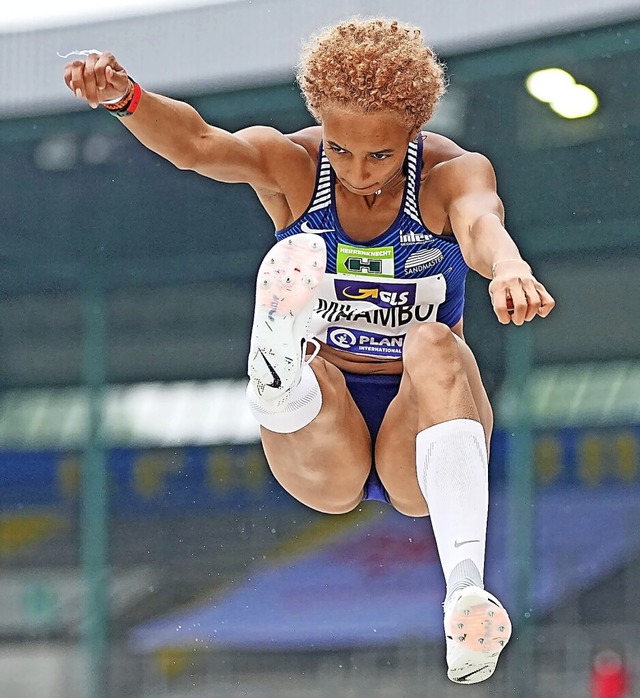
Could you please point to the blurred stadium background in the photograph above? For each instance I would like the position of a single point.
(144, 549)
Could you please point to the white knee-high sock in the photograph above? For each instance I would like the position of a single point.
(301, 408)
(453, 476)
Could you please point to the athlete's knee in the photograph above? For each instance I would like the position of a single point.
(332, 497)
(433, 346)
(338, 506)
(434, 336)
(313, 484)
(413, 507)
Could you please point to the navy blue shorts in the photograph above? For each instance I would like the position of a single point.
(372, 393)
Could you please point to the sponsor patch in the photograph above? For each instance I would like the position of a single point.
(369, 343)
(411, 238)
(365, 261)
(425, 259)
(384, 295)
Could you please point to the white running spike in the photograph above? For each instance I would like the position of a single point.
(286, 292)
(473, 654)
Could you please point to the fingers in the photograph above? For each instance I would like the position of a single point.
(519, 300)
(67, 75)
(90, 83)
(97, 79)
(500, 301)
(547, 302)
(109, 73)
(74, 77)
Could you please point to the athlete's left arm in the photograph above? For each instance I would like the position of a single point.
(476, 216)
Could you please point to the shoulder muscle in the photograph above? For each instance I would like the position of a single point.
(259, 155)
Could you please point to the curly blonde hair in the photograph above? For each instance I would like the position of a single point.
(371, 65)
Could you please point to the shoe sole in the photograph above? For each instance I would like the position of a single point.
(480, 627)
(286, 290)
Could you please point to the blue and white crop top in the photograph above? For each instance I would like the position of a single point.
(372, 292)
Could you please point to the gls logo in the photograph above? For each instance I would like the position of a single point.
(384, 295)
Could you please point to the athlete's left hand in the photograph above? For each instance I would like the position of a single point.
(516, 295)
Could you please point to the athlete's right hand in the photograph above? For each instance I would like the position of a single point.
(99, 78)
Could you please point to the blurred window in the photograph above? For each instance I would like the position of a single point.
(583, 394)
(158, 414)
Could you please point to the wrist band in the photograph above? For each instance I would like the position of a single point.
(128, 103)
(117, 100)
(114, 104)
(500, 261)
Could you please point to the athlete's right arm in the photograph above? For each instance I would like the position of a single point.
(178, 133)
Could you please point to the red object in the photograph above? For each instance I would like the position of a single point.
(609, 677)
(133, 105)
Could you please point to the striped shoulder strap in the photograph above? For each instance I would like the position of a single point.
(414, 166)
(322, 195)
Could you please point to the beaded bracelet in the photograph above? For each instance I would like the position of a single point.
(128, 103)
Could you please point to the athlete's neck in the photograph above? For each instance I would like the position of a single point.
(388, 187)
(392, 182)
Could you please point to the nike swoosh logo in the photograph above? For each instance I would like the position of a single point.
(306, 229)
(473, 673)
(277, 383)
(458, 543)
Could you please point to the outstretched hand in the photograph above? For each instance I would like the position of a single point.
(516, 295)
(99, 78)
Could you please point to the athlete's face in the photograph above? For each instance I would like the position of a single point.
(365, 150)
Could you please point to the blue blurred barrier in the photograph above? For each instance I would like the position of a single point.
(198, 478)
(142, 480)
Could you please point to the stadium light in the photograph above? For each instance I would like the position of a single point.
(577, 103)
(559, 89)
(546, 85)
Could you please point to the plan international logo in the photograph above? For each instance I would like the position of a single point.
(371, 343)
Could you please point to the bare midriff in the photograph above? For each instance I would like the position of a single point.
(352, 363)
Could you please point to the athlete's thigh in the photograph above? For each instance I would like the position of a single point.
(395, 454)
(325, 464)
